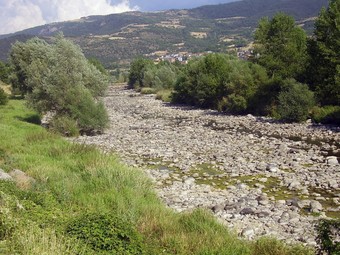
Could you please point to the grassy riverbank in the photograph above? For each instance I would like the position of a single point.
(84, 202)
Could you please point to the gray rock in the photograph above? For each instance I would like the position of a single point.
(218, 208)
(262, 214)
(21, 178)
(272, 168)
(248, 233)
(294, 185)
(189, 181)
(247, 211)
(284, 218)
(5, 176)
(315, 206)
(332, 161)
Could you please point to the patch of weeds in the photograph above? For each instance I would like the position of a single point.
(307, 165)
(106, 234)
(40, 136)
(328, 202)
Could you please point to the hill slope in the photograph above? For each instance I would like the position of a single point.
(117, 38)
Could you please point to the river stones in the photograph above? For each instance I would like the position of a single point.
(269, 171)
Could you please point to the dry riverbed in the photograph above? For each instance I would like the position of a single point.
(257, 176)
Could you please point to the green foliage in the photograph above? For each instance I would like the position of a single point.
(324, 67)
(145, 74)
(98, 65)
(64, 125)
(328, 236)
(57, 77)
(220, 82)
(5, 72)
(106, 234)
(137, 72)
(147, 91)
(164, 95)
(3, 97)
(294, 101)
(281, 46)
(327, 114)
(270, 246)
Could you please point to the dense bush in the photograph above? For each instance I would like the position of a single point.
(294, 101)
(137, 72)
(64, 125)
(57, 77)
(326, 114)
(145, 74)
(220, 82)
(3, 97)
(328, 236)
(106, 234)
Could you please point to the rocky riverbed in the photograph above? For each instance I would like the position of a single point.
(258, 177)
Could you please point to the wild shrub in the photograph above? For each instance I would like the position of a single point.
(3, 97)
(164, 95)
(147, 91)
(64, 125)
(326, 114)
(106, 234)
(328, 236)
(220, 82)
(294, 101)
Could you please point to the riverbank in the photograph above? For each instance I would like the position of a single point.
(258, 176)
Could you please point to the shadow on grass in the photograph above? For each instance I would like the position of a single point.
(31, 118)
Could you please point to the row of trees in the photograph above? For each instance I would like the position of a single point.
(57, 78)
(288, 75)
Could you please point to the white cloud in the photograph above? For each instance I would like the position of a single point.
(16, 15)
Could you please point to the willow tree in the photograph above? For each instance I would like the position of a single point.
(57, 77)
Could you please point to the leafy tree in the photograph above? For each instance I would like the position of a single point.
(324, 48)
(295, 101)
(281, 46)
(21, 57)
(57, 77)
(202, 80)
(137, 72)
(220, 82)
(98, 65)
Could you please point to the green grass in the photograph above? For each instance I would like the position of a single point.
(73, 181)
(164, 95)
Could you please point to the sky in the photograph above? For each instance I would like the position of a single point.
(16, 15)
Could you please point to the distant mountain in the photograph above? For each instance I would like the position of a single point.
(300, 9)
(118, 38)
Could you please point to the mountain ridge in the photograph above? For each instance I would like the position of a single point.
(117, 38)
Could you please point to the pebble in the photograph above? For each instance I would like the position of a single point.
(237, 159)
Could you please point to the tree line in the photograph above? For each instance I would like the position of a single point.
(290, 76)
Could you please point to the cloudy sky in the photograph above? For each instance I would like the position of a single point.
(16, 15)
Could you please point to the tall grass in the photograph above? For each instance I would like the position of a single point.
(74, 179)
